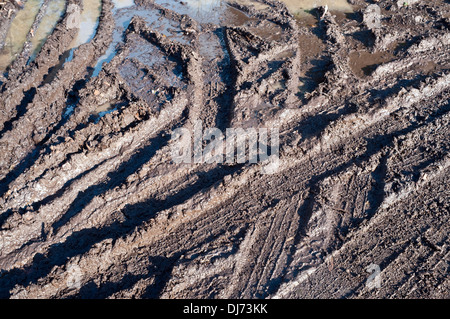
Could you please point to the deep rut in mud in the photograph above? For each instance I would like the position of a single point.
(92, 204)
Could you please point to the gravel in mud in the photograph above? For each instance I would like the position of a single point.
(92, 204)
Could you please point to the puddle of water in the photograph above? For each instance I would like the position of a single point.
(90, 18)
(88, 22)
(301, 7)
(119, 4)
(22, 23)
(123, 18)
(255, 4)
(267, 30)
(18, 31)
(105, 108)
(153, 19)
(69, 110)
(238, 18)
(206, 11)
(99, 112)
(53, 13)
(363, 63)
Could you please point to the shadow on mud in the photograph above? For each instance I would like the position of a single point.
(81, 241)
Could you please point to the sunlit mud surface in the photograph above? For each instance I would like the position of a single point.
(93, 203)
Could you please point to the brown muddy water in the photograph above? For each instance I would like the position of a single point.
(303, 6)
(53, 13)
(363, 63)
(18, 31)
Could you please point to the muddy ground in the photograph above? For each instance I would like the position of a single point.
(93, 206)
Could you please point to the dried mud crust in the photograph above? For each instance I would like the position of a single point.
(92, 205)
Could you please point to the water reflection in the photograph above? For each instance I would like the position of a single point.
(52, 15)
(300, 6)
(88, 22)
(18, 31)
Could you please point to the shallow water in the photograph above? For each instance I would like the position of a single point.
(363, 63)
(24, 20)
(53, 13)
(88, 22)
(216, 11)
(206, 11)
(17, 34)
(302, 6)
(251, 3)
(123, 14)
(202, 10)
(105, 108)
(118, 4)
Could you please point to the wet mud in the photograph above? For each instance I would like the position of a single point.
(92, 204)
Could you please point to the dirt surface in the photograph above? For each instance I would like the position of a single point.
(92, 204)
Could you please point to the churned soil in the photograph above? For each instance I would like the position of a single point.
(92, 204)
